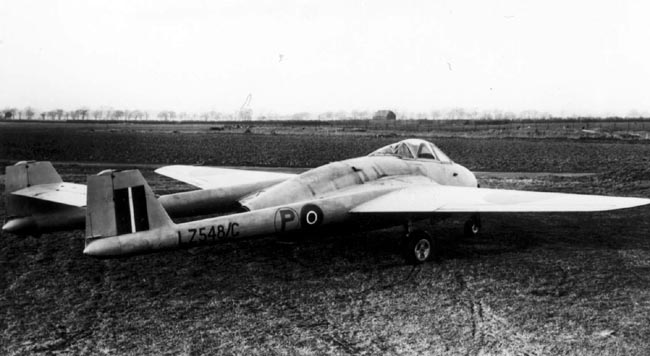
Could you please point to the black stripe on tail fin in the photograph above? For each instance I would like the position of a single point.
(122, 203)
(130, 210)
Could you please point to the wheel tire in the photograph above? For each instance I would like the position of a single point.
(472, 227)
(419, 248)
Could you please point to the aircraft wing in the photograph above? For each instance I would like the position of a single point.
(213, 177)
(450, 199)
(63, 193)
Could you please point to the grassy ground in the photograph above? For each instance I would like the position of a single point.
(533, 284)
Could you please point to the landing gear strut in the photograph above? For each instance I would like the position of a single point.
(473, 226)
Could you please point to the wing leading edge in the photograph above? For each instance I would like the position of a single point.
(448, 199)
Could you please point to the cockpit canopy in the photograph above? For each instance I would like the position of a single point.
(412, 149)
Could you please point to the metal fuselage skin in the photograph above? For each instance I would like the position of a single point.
(316, 198)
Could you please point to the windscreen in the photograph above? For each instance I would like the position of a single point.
(441, 155)
(413, 149)
(399, 149)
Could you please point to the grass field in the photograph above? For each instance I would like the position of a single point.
(534, 284)
(192, 144)
(563, 128)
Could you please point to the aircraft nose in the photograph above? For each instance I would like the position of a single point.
(106, 247)
(467, 177)
(474, 180)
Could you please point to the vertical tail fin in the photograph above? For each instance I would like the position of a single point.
(28, 173)
(22, 175)
(120, 203)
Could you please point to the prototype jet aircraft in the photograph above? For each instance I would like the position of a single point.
(398, 184)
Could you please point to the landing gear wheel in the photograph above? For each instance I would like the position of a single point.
(419, 247)
(472, 226)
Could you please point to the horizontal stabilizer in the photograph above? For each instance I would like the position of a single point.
(448, 199)
(213, 177)
(63, 193)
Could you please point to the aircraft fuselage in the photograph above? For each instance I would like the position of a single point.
(356, 171)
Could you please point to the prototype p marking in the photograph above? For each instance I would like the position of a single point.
(285, 219)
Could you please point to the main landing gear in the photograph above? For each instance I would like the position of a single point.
(419, 246)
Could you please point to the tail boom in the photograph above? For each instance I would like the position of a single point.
(38, 201)
(306, 215)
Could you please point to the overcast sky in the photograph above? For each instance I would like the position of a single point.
(579, 57)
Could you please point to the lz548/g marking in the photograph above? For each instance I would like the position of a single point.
(208, 234)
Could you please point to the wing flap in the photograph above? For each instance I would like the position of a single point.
(448, 199)
(213, 177)
(63, 193)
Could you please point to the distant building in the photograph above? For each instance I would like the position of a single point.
(384, 115)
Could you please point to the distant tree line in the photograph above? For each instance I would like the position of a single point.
(110, 114)
(246, 114)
